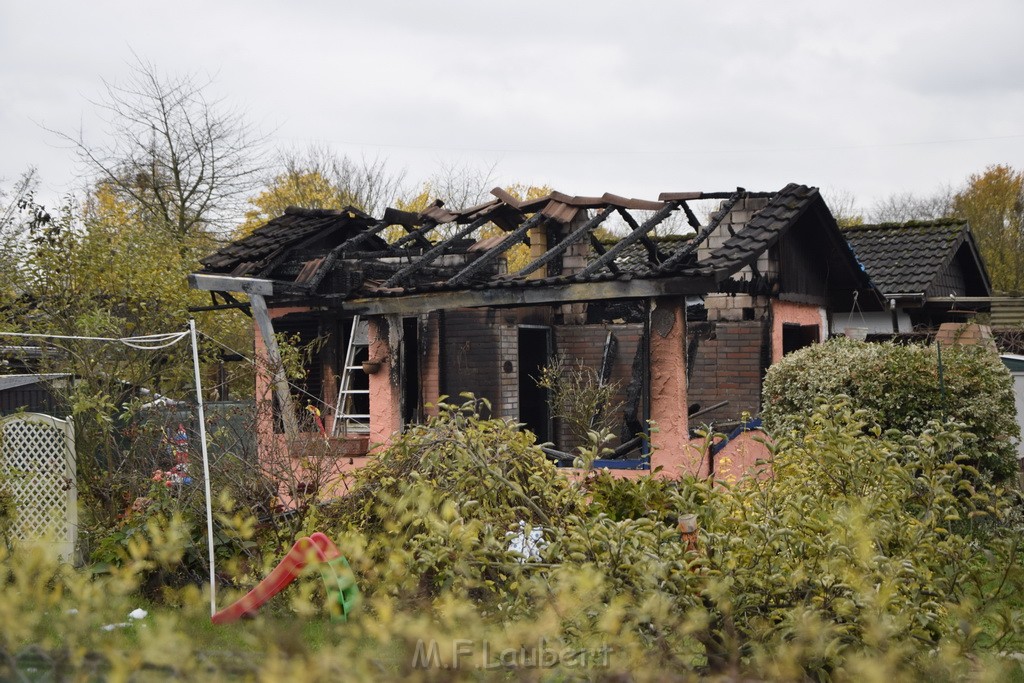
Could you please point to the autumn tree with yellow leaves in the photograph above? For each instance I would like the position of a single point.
(992, 203)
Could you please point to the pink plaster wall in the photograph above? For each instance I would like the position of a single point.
(338, 457)
(668, 386)
(799, 314)
(267, 441)
(675, 452)
(739, 457)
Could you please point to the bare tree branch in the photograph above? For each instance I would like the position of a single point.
(187, 162)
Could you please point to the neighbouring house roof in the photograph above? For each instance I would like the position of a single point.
(923, 259)
(340, 256)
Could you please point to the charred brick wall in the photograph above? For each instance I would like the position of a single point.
(470, 345)
(726, 364)
(586, 343)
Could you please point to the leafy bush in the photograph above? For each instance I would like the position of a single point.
(865, 545)
(899, 387)
(580, 398)
(621, 498)
(441, 499)
(869, 555)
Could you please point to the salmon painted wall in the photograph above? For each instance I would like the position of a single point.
(799, 314)
(739, 458)
(385, 384)
(674, 452)
(668, 386)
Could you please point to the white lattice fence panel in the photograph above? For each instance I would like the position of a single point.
(37, 464)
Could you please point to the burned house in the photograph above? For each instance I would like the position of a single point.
(412, 306)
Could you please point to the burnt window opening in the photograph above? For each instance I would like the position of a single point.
(796, 337)
(309, 340)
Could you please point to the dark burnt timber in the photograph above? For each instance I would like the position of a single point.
(436, 252)
(654, 255)
(419, 236)
(492, 254)
(414, 304)
(703, 233)
(337, 260)
(570, 239)
(629, 239)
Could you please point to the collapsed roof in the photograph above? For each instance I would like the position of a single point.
(343, 259)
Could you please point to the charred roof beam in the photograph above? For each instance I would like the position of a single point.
(609, 256)
(491, 255)
(570, 239)
(377, 228)
(325, 266)
(436, 252)
(691, 217)
(654, 254)
(601, 251)
(678, 257)
(419, 235)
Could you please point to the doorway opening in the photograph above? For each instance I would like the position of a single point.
(534, 402)
(412, 404)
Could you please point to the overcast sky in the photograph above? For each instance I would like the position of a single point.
(632, 98)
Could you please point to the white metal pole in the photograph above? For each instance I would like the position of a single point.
(206, 461)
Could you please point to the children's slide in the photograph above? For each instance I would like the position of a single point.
(342, 592)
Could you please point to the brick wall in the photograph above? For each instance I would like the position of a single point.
(726, 365)
(586, 343)
(470, 352)
(740, 307)
(742, 212)
(430, 354)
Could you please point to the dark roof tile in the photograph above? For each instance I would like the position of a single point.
(905, 258)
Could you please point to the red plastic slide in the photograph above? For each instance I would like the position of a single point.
(313, 548)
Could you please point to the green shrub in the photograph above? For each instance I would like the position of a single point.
(621, 498)
(869, 556)
(899, 388)
(438, 502)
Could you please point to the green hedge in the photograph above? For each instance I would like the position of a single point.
(899, 387)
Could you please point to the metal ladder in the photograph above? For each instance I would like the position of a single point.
(344, 417)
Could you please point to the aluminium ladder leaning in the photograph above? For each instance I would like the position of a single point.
(345, 412)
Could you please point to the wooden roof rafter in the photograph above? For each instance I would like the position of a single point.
(654, 255)
(436, 251)
(332, 256)
(419, 235)
(512, 239)
(702, 234)
(570, 239)
(640, 232)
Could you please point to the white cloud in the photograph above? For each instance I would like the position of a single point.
(590, 97)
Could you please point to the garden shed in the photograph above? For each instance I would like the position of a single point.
(928, 273)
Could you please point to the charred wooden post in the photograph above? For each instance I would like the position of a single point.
(436, 252)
